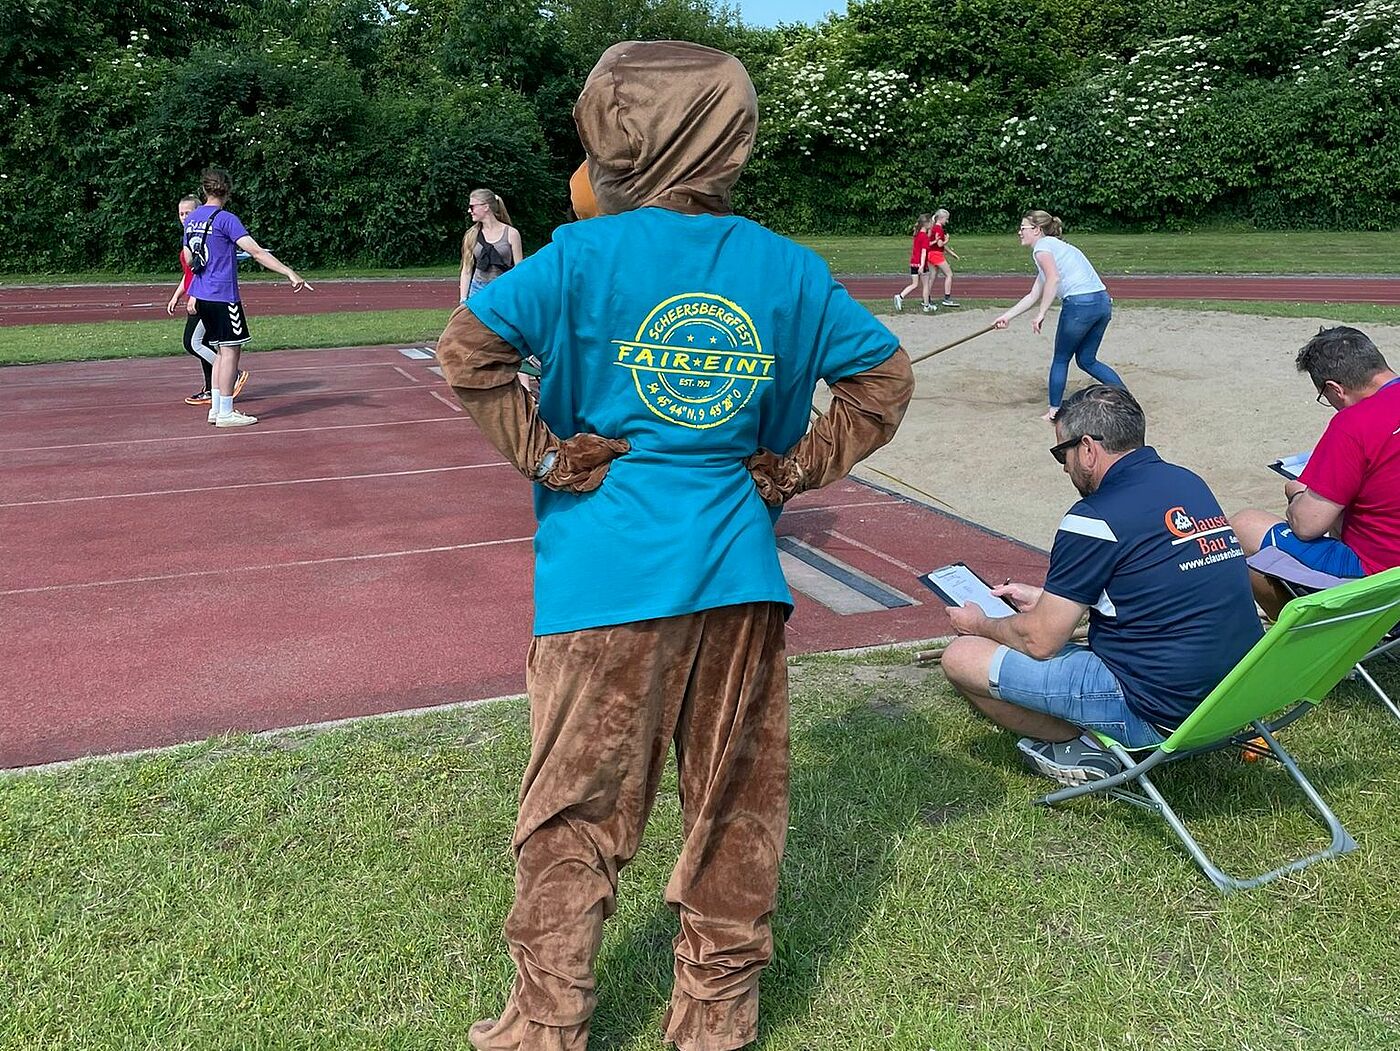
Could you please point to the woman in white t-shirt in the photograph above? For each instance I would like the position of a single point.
(1085, 309)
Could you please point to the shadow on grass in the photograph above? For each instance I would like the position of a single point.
(862, 782)
(1217, 795)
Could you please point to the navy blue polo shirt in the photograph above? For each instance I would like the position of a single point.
(1153, 556)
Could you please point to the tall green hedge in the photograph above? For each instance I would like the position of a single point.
(354, 130)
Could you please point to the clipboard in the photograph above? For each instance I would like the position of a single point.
(957, 585)
(1291, 466)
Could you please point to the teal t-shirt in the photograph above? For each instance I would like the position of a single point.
(699, 339)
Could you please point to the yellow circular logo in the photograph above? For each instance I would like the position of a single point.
(696, 360)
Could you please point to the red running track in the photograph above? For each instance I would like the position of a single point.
(361, 550)
(70, 304)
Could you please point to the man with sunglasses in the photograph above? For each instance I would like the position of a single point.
(1351, 484)
(1152, 558)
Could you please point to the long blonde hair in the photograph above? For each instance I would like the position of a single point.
(1049, 225)
(473, 234)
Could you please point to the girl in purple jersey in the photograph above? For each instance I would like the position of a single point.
(213, 237)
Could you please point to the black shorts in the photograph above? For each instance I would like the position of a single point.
(224, 323)
(915, 271)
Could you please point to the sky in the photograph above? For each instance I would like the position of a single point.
(771, 12)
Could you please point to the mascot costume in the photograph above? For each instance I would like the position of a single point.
(678, 345)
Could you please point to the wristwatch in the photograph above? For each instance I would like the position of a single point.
(545, 465)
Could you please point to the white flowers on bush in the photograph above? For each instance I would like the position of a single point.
(1141, 103)
(1365, 36)
(813, 100)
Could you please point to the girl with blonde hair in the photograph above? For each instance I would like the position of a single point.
(491, 245)
(938, 251)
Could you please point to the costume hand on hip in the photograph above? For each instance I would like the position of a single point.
(581, 462)
(778, 478)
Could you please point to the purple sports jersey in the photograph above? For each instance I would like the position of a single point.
(218, 282)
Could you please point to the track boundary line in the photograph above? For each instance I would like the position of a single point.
(445, 400)
(244, 433)
(253, 485)
(298, 564)
(870, 550)
(174, 359)
(244, 399)
(60, 765)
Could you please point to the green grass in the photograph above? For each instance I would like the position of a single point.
(246, 272)
(1198, 252)
(31, 344)
(346, 890)
(1194, 252)
(34, 344)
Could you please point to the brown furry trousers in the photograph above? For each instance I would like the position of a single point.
(605, 705)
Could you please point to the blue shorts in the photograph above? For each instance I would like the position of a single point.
(1326, 554)
(1074, 685)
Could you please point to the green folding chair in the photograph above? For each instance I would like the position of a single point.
(1316, 641)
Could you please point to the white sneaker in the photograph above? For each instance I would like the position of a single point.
(235, 419)
(899, 303)
(213, 415)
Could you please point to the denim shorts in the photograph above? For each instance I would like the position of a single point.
(1074, 685)
(1326, 554)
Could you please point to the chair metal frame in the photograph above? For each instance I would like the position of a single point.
(1134, 785)
(1274, 564)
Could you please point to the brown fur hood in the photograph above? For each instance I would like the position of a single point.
(668, 124)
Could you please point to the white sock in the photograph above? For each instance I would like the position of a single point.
(225, 404)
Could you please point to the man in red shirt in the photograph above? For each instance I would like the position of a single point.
(1351, 484)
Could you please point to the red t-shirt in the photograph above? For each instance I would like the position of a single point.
(937, 240)
(189, 274)
(921, 245)
(1357, 464)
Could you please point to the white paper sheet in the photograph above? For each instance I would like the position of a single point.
(959, 586)
(1291, 466)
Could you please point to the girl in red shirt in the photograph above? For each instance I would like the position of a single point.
(918, 262)
(937, 261)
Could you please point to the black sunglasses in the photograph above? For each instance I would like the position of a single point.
(1059, 452)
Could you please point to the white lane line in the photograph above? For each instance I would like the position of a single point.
(437, 369)
(446, 401)
(416, 353)
(253, 485)
(252, 396)
(169, 362)
(269, 566)
(877, 553)
(406, 375)
(838, 507)
(246, 433)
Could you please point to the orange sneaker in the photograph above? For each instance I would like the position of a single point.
(238, 383)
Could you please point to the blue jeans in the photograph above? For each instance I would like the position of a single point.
(1074, 685)
(1080, 330)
